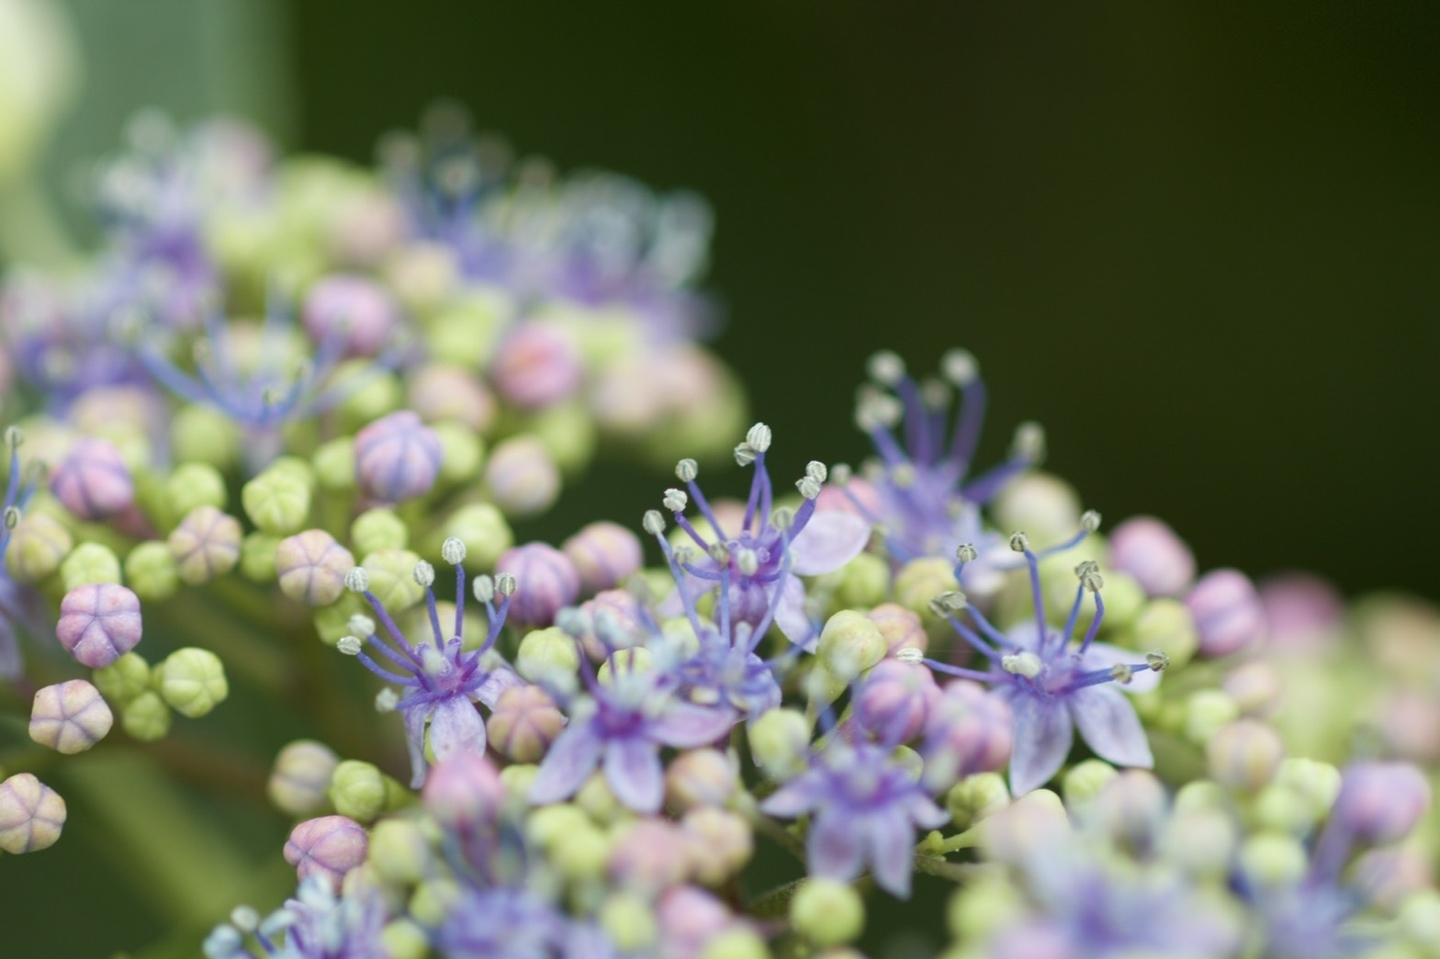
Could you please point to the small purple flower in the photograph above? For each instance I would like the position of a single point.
(397, 457)
(442, 680)
(547, 582)
(865, 808)
(512, 923)
(316, 924)
(99, 623)
(93, 482)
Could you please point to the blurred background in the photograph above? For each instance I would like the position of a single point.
(1199, 244)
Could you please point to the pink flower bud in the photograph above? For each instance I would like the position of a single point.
(353, 309)
(537, 365)
(329, 847)
(441, 392)
(900, 628)
(1302, 612)
(689, 918)
(1380, 802)
(891, 704)
(650, 856)
(463, 791)
(546, 582)
(522, 477)
(1409, 722)
(1245, 754)
(397, 457)
(612, 621)
(31, 815)
(1227, 611)
(604, 554)
(206, 544)
(1255, 686)
(99, 623)
(968, 731)
(69, 717)
(1149, 550)
(93, 482)
(312, 567)
(524, 723)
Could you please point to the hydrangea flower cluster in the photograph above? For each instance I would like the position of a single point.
(276, 433)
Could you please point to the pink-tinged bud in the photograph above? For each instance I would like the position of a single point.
(689, 918)
(69, 717)
(312, 567)
(524, 723)
(858, 496)
(1409, 723)
(612, 621)
(355, 310)
(440, 392)
(900, 628)
(604, 554)
(650, 856)
(367, 229)
(1227, 612)
(1380, 802)
(397, 457)
(1245, 754)
(1149, 550)
(893, 701)
(206, 544)
(463, 792)
(1387, 876)
(1302, 612)
(701, 777)
(1131, 808)
(522, 476)
(328, 847)
(546, 582)
(720, 843)
(99, 623)
(536, 365)
(1255, 686)
(31, 815)
(93, 482)
(968, 731)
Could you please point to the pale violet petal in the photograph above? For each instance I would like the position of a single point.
(1109, 726)
(791, 617)
(791, 800)
(456, 726)
(829, 540)
(835, 849)
(1043, 735)
(892, 850)
(496, 682)
(634, 774)
(571, 758)
(686, 726)
(415, 718)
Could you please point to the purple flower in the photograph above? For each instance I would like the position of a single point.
(512, 923)
(865, 808)
(19, 605)
(1053, 688)
(316, 924)
(442, 680)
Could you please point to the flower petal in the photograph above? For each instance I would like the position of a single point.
(834, 849)
(455, 726)
(892, 850)
(829, 540)
(793, 799)
(925, 814)
(1103, 656)
(570, 760)
(1110, 726)
(1043, 734)
(791, 617)
(685, 726)
(634, 774)
(496, 682)
(415, 717)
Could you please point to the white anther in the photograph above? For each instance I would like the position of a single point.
(349, 645)
(816, 470)
(684, 553)
(653, 523)
(744, 455)
(1157, 660)
(433, 661)
(1029, 442)
(809, 487)
(505, 584)
(758, 437)
(1122, 674)
(453, 551)
(386, 700)
(483, 588)
(952, 600)
(12, 517)
(1019, 542)
(840, 474)
(1022, 664)
(675, 500)
(886, 367)
(424, 574)
(911, 655)
(935, 394)
(875, 410)
(1090, 521)
(245, 918)
(782, 518)
(14, 437)
(361, 625)
(1088, 572)
(966, 553)
(686, 470)
(719, 552)
(747, 561)
(959, 367)
(903, 475)
(357, 580)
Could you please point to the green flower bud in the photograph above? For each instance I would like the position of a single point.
(190, 485)
(378, 394)
(38, 545)
(1245, 754)
(629, 921)
(1045, 506)
(192, 681)
(203, 434)
(827, 912)
(332, 623)
(864, 582)
(124, 679)
(517, 779)
(583, 854)
(433, 901)
(399, 851)
(850, 643)
(466, 333)
(1201, 841)
(151, 572)
(1317, 783)
(89, 563)
(484, 531)
(567, 431)
(334, 464)
(549, 825)
(403, 939)
(1281, 809)
(461, 452)
(780, 743)
(1205, 712)
(206, 544)
(295, 467)
(1085, 780)
(277, 501)
(301, 777)
(357, 790)
(595, 799)
(635, 659)
(257, 557)
(146, 717)
(982, 907)
(1201, 794)
(1419, 917)
(975, 797)
(1165, 625)
(377, 529)
(921, 580)
(1273, 859)
(548, 654)
(737, 943)
(392, 578)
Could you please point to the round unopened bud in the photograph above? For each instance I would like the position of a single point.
(206, 544)
(93, 482)
(522, 477)
(146, 717)
(357, 790)
(1255, 687)
(1245, 754)
(151, 571)
(524, 723)
(327, 847)
(721, 843)
(69, 717)
(31, 815)
(629, 922)
(38, 544)
(194, 484)
(312, 567)
(1165, 625)
(604, 554)
(483, 530)
(1381, 802)
(124, 679)
(301, 777)
(377, 529)
(276, 501)
(850, 644)
(968, 731)
(463, 791)
(1150, 551)
(399, 852)
(99, 623)
(257, 557)
(921, 580)
(549, 656)
(1200, 841)
(546, 582)
(1273, 859)
(1227, 610)
(976, 797)
(899, 627)
(89, 563)
(397, 457)
(649, 856)
(1205, 712)
(536, 365)
(1131, 807)
(1084, 781)
(827, 912)
(780, 743)
(891, 704)
(441, 392)
(352, 310)
(390, 574)
(192, 681)
(701, 777)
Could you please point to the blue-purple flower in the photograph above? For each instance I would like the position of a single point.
(512, 923)
(18, 603)
(316, 924)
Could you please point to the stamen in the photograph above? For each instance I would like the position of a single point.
(1029, 443)
(886, 367)
(675, 500)
(653, 523)
(959, 367)
(1157, 661)
(386, 700)
(747, 561)
(1090, 521)
(1122, 674)
(782, 518)
(840, 474)
(349, 645)
(808, 486)
(357, 580)
(686, 470)
(816, 470)
(424, 574)
(909, 654)
(453, 551)
(361, 625)
(744, 455)
(1025, 664)
(505, 584)
(966, 553)
(1019, 542)
(483, 588)
(758, 438)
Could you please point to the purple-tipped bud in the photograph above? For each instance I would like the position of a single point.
(463, 792)
(311, 567)
(31, 815)
(1302, 612)
(1149, 550)
(69, 717)
(893, 701)
(651, 856)
(99, 623)
(93, 482)
(701, 777)
(522, 477)
(536, 365)
(900, 628)
(968, 731)
(546, 582)
(397, 457)
(1245, 754)
(440, 392)
(1227, 612)
(524, 723)
(206, 544)
(1380, 802)
(328, 847)
(354, 310)
(604, 554)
